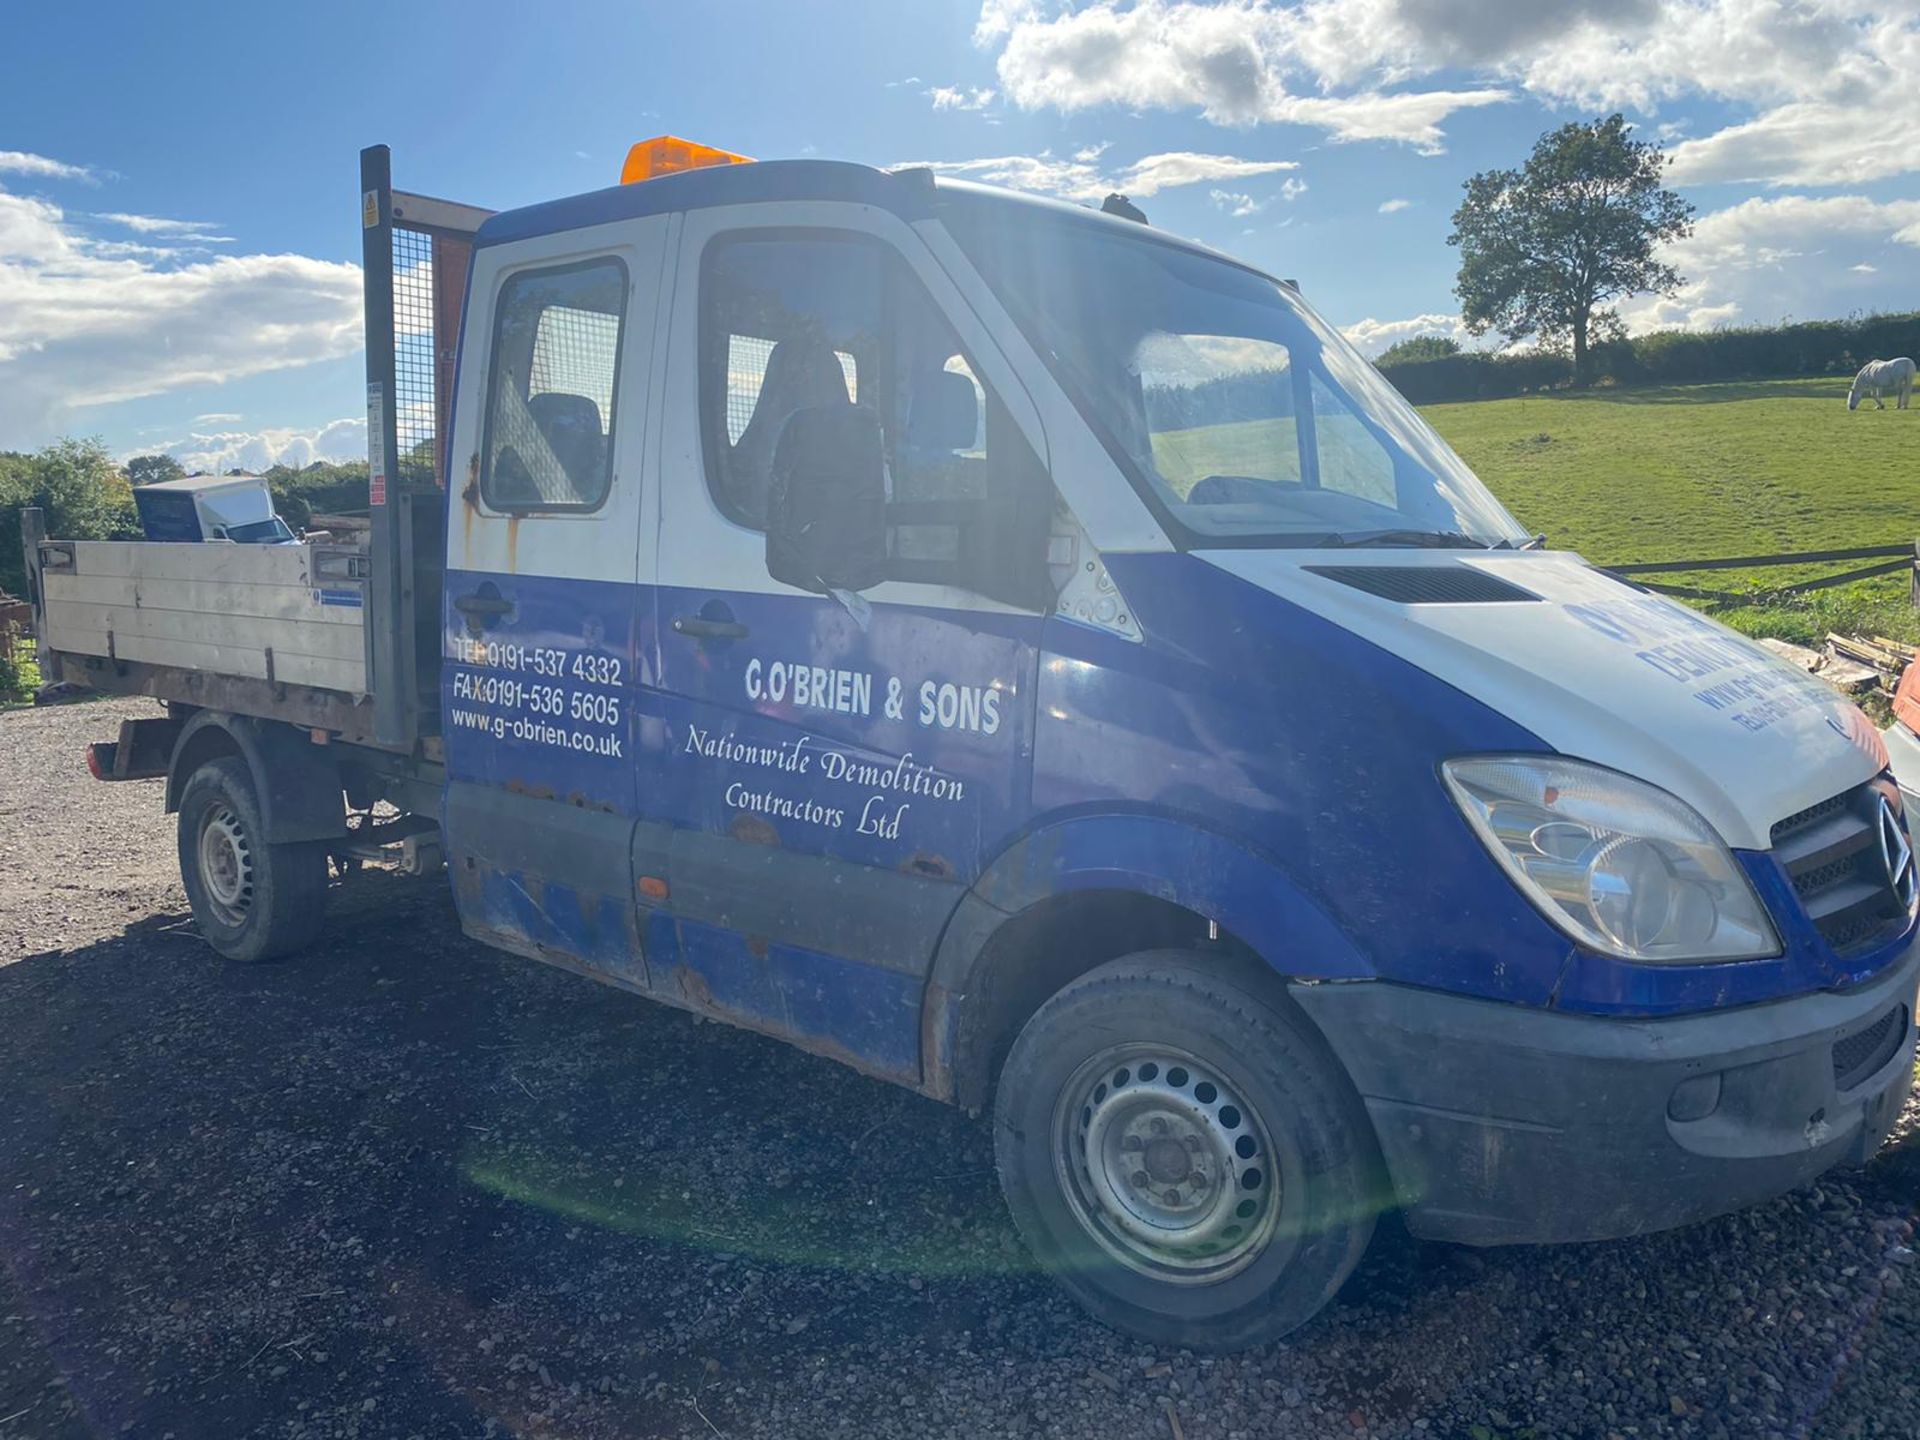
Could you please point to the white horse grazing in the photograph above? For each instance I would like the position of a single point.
(1878, 375)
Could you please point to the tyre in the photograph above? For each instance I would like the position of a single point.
(252, 900)
(1185, 1155)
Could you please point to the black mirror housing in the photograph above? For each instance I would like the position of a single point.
(945, 413)
(827, 501)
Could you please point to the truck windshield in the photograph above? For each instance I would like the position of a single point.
(1243, 417)
(271, 531)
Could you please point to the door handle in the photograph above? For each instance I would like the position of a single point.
(701, 628)
(482, 604)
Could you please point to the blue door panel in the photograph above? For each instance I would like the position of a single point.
(874, 775)
(834, 787)
(541, 699)
(541, 706)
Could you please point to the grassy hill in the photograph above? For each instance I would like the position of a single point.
(1698, 471)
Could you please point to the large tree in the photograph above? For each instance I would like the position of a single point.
(80, 489)
(1546, 249)
(152, 469)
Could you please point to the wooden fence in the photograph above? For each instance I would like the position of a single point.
(16, 623)
(1889, 560)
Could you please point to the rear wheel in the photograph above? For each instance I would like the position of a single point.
(1184, 1154)
(252, 900)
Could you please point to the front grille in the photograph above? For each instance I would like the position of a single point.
(1800, 819)
(1858, 1056)
(1832, 854)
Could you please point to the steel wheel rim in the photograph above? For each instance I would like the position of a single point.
(226, 866)
(1165, 1165)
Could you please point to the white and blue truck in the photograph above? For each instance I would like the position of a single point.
(1033, 659)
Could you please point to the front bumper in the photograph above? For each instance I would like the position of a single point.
(1504, 1125)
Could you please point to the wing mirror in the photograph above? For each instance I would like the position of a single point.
(827, 501)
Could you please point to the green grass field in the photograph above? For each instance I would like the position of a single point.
(1662, 473)
(1709, 470)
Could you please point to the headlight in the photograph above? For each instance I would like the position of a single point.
(1621, 866)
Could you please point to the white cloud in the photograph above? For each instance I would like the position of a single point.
(1781, 257)
(1236, 203)
(959, 97)
(1292, 188)
(1079, 179)
(1372, 336)
(1155, 173)
(161, 227)
(219, 451)
(1825, 92)
(1388, 207)
(998, 17)
(1810, 143)
(86, 323)
(218, 417)
(1232, 61)
(20, 162)
(135, 249)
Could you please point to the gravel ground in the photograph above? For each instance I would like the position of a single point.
(406, 1186)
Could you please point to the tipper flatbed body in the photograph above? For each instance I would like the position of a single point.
(177, 617)
(1033, 659)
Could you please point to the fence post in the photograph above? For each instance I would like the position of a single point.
(33, 529)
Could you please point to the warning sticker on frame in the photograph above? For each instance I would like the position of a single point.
(376, 445)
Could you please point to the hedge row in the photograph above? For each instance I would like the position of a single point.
(1670, 357)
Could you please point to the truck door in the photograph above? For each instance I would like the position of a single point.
(543, 656)
(833, 768)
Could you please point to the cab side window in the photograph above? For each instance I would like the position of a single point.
(794, 321)
(552, 378)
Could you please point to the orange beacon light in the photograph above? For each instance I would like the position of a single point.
(665, 154)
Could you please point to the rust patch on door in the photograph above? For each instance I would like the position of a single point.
(938, 1029)
(932, 866)
(754, 830)
(470, 504)
(693, 985)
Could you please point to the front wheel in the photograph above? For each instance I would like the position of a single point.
(1185, 1155)
(252, 900)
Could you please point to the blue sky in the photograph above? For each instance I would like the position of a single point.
(178, 222)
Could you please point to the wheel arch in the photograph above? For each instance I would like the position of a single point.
(1089, 889)
(297, 784)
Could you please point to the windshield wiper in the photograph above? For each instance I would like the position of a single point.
(1424, 539)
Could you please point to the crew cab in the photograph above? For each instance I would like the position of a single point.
(1034, 659)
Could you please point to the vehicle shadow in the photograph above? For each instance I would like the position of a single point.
(407, 1170)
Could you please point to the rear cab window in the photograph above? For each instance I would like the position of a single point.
(793, 320)
(553, 375)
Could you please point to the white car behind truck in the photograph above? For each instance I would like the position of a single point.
(1033, 659)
